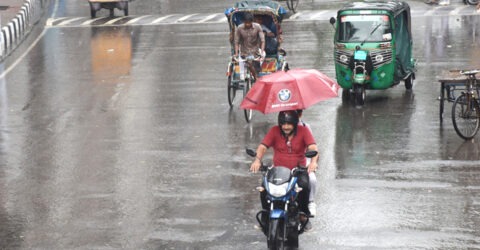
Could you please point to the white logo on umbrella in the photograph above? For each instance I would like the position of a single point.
(284, 95)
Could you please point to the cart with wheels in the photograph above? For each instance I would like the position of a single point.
(96, 5)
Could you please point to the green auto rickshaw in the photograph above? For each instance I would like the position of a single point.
(372, 47)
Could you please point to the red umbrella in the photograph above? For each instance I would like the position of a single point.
(290, 90)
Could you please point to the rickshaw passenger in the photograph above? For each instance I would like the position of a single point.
(271, 41)
(249, 38)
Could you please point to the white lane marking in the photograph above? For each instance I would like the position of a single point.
(92, 20)
(69, 21)
(136, 19)
(295, 15)
(457, 10)
(114, 20)
(208, 18)
(317, 15)
(221, 20)
(184, 18)
(50, 20)
(161, 19)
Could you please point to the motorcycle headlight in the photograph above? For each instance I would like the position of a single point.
(278, 190)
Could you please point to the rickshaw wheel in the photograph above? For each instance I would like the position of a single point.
(232, 90)
(246, 88)
(466, 117)
(360, 95)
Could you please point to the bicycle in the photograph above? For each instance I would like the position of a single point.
(465, 109)
(241, 78)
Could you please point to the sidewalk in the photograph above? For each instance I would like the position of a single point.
(8, 10)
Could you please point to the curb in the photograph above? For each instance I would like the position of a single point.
(14, 31)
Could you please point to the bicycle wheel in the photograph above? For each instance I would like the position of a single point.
(231, 88)
(246, 88)
(466, 117)
(292, 5)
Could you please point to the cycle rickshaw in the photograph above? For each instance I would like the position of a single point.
(239, 76)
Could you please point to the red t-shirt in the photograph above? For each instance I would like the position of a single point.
(285, 155)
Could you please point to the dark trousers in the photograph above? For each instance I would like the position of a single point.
(303, 196)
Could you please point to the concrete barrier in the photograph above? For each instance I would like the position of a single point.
(15, 31)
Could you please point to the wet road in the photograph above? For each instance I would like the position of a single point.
(121, 137)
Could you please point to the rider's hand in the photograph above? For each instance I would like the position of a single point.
(263, 54)
(312, 167)
(256, 164)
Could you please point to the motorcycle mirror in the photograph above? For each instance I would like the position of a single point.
(311, 154)
(251, 152)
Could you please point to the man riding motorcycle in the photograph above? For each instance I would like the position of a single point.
(289, 142)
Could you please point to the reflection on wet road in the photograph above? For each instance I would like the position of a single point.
(121, 138)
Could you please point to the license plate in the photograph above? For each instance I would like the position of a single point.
(360, 55)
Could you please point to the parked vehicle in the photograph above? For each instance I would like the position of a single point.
(373, 47)
(96, 5)
(282, 224)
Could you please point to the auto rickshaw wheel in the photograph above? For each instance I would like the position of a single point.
(346, 95)
(409, 82)
(360, 95)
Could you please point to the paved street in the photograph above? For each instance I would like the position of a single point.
(118, 135)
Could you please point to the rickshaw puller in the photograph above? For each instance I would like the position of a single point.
(249, 38)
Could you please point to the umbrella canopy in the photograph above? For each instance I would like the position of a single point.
(290, 90)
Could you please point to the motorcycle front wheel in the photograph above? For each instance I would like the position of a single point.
(276, 237)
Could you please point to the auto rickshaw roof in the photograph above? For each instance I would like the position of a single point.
(390, 6)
